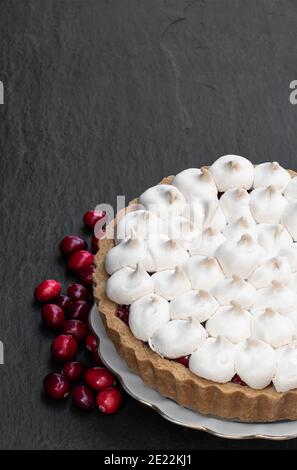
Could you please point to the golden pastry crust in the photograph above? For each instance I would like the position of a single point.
(175, 381)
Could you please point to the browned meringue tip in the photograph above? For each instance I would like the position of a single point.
(204, 175)
(269, 311)
(171, 195)
(236, 306)
(271, 190)
(243, 222)
(277, 262)
(155, 298)
(251, 342)
(211, 231)
(278, 230)
(233, 165)
(209, 261)
(236, 279)
(202, 293)
(245, 239)
(276, 285)
(275, 165)
(240, 192)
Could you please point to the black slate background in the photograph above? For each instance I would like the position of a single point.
(105, 98)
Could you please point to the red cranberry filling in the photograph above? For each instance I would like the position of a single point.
(184, 360)
(123, 313)
(237, 380)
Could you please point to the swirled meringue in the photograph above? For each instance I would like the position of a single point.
(272, 328)
(147, 314)
(271, 173)
(214, 216)
(241, 257)
(170, 283)
(241, 226)
(273, 269)
(166, 254)
(285, 378)
(231, 321)
(234, 289)
(291, 190)
(204, 272)
(255, 363)
(129, 252)
(232, 171)
(197, 304)
(127, 284)
(289, 219)
(267, 204)
(163, 200)
(178, 338)
(273, 237)
(140, 223)
(194, 211)
(207, 244)
(196, 183)
(182, 230)
(215, 360)
(278, 297)
(290, 253)
(235, 203)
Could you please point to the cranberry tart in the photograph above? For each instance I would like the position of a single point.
(196, 284)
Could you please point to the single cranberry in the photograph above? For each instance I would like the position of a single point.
(96, 359)
(109, 400)
(76, 328)
(95, 244)
(74, 370)
(83, 397)
(80, 260)
(71, 243)
(77, 292)
(91, 343)
(123, 313)
(57, 386)
(80, 310)
(99, 378)
(64, 348)
(92, 217)
(237, 380)
(53, 316)
(47, 290)
(64, 302)
(184, 360)
(86, 275)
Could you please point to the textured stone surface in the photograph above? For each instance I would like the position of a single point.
(105, 98)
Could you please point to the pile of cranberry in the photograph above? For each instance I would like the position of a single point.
(68, 315)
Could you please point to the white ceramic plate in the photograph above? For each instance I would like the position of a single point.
(175, 413)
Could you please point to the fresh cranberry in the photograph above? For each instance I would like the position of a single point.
(74, 370)
(92, 217)
(96, 359)
(53, 316)
(80, 310)
(95, 244)
(184, 360)
(64, 302)
(109, 400)
(64, 348)
(57, 386)
(99, 378)
(80, 260)
(77, 292)
(71, 243)
(86, 275)
(91, 343)
(237, 380)
(83, 397)
(76, 328)
(123, 313)
(47, 290)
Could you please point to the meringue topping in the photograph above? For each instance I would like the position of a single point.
(127, 284)
(207, 244)
(129, 252)
(215, 360)
(278, 297)
(240, 257)
(241, 226)
(140, 223)
(198, 304)
(163, 200)
(195, 183)
(235, 203)
(166, 254)
(273, 237)
(291, 190)
(232, 171)
(272, 328)
(203, 271)
(214, 216)
(289, 219)
(290, 253)
(267, 204)
(183, 230)
(232, 321)
(235, 289)
(178, 338)
(255, 363)
(170, 282)
(271, 173)
(273, 269)
(286, 370)
(147, 315)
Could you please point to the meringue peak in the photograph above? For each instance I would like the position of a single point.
(246, 239)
